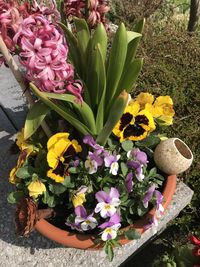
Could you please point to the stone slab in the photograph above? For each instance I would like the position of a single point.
(38, 251)
(11, 98)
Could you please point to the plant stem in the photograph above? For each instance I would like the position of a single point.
(20, 79)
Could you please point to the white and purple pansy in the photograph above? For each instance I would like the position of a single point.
(111, 227)
(138, 155)
(129, 182)
(138, 168)
(93, 161)
(159, 198)
(108, 202)
(84, 221)
(111, 161)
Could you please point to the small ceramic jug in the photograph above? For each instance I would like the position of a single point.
(173, 156)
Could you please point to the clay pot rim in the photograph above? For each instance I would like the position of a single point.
(86, 241)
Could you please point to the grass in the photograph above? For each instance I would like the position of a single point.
(172, 68)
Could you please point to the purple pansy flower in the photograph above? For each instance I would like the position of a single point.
(111, 162)
(111, 227)
(114, 220)
(138, 155)
(153, 222)
(129, 182)
(138, 169)
(89, 140)
(107, 202)
(86, 222)
(93, 162)
(148, 196)
(159, 206)
(159, 198)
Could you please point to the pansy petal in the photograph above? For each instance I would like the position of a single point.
(102, 196)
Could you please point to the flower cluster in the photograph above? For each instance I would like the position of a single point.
(44, 54)
(140, 116)
(95, 13)
(95, 162)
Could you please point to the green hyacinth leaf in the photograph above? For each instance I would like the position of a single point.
(132, 35)
(68, 116)
(72, 42)
(116, 61)
(130, 76)
(133, 44)
(34, 118)
(115, 114)
(100, 37)
(83, 37)
(83, 110)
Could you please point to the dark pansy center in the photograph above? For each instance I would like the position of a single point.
(59, 169)
(69, 154)
(125, 120)
(141, 119)
(133, 130)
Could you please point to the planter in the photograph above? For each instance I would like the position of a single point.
(84, 241)
(173, 156)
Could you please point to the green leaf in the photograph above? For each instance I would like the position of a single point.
(124, 168)
(100, 37)
(127, 145)
(15, 197)
(151, 141)
(67, 116)
(83, 37)
(73, 170)
(83, 109)
(116, 61)
(96, 76)
(130, 75)
(114, 116)
(74, 52)
(35, 116)
(152, 172)
(132, 35)
(109, 250)
(25, 172)
(132, 234)
(57, 189)
(133, 44)
(141, 210)
(68, 182)
(49, 199)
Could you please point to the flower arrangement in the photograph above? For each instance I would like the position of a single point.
(89, 168)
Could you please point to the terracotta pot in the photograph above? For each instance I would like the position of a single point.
(84, 241)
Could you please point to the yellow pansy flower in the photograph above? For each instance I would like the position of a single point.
(134, 125)
(162, 108)
(56, 176)
(144, 98)
(78, 199)
(23, 144)
(60, 151)
(36, 188)
(13, 179)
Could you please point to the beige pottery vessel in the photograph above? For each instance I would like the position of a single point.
(173, 156)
